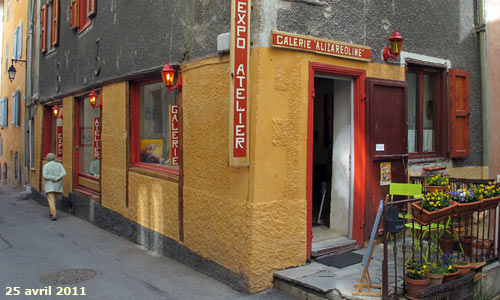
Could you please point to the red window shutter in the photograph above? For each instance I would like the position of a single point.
(75, 15)
(91, 4)
(459, 113)
(43, 29)
(55, 23)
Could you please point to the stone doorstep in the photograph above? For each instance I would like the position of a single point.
(333, 246)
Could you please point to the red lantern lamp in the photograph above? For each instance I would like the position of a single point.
(93, 99)
(55, 111)
(396, 41)
(168, 76)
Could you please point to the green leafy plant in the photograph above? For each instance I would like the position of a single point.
(437, 268)
(416, 271)
(435, 201)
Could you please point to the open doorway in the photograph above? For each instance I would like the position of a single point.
(332, 163)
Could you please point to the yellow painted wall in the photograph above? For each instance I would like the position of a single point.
(68, 143)
(216, 208)
(36, 172)
(13, 137)
(114, 147)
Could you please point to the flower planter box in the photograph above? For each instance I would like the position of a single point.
(489, 203)
(425, 217)
(466, 208)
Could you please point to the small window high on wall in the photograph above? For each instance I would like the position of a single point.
(155, 142)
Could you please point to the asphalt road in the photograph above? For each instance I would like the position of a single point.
(36, 253)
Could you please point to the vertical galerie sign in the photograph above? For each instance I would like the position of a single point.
(239, 82)
(96, 140)
(174, 134)
(59, 147)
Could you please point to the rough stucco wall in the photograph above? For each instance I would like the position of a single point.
(13, 137)
(153, 203)
(372, 22)
(278, 141)
(114, 147)
(133, 40)
(493, 13)
(68, 143)
(215, 195)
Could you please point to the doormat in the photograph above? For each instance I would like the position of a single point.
(342, 260)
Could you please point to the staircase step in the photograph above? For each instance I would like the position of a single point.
(332, 247)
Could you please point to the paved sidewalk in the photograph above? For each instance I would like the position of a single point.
(34, 249)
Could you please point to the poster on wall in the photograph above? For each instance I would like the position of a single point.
(151, 151)
(385, 173)
(239, 83)
(174, 134)
(96, 139)
(59, 142)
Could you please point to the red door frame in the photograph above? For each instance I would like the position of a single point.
(358, 77)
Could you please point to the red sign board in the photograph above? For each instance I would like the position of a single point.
(174, 134)
(59, 147)
(321, 46)
(240, 52)
(96, 141)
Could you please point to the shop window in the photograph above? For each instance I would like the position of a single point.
(4, 109)
(81, 13)
(426, 111)
(31, 128)
(53, 133)
(88, 145)
(1, 146)
(155, 133)
(17, 173)
(49, 27)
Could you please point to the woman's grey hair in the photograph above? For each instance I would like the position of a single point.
(50, 157)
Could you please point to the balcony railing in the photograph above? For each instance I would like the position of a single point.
(470, 235)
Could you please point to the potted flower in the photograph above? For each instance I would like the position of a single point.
(435, 182)
(434, 206)
(451, 272)
(436, 273)
(490, 194)
(463, 267)
(466, 200)
(416, 279)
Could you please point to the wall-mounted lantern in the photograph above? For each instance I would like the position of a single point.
(12, 70)
(168, 75)
(93, 98)
(396, 41)
(55, 111)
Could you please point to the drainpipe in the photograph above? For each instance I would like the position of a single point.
(485, 103)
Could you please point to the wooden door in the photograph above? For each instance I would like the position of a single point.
(387, 142)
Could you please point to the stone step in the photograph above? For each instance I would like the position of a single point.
(333, 246)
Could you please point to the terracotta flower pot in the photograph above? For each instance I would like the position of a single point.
(446, 245)
(435, 279)
(436, 188)
(450, 276)
(425, 217)
(463, 268)
(466, 208)
(415, 286)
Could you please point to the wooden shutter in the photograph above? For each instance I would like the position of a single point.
(15, 41)
(14, 107)
(91, 8)
(17, 108)
(1, 111)
(459, 113)
(75, 16)
(55, 23)
(43, 29)
(20, 41)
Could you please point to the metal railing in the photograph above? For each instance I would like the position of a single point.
(470, 236)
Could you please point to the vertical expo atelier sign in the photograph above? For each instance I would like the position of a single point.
(59, 147)
(96, 140)
(239, 57)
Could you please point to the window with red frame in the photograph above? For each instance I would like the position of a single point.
(81, 13)
(155, 127)
(53, 133)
